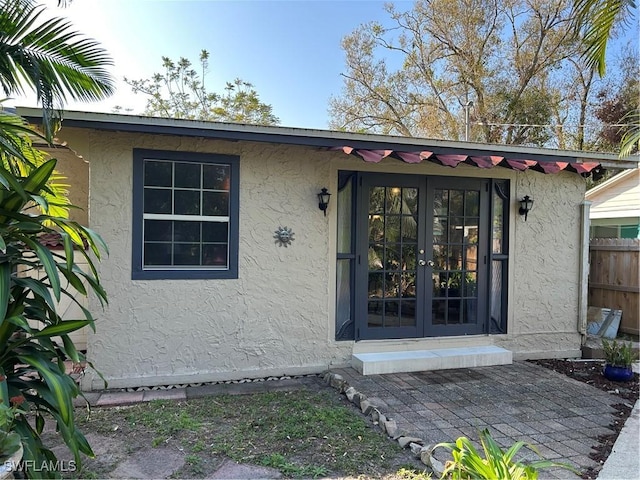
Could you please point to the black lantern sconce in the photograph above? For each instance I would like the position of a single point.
(526, 204)
(323, 200)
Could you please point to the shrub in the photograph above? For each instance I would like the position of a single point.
(31, 357)
(468, 463)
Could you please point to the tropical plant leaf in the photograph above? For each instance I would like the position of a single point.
(56, 382)
(47, 262)
(37, 287)
(75, 282)
(62, 328)
(5, 289)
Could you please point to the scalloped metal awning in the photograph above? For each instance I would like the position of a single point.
(487, 161)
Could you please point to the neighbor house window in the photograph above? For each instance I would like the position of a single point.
(185, 215)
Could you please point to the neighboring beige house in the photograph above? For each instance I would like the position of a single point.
(615, 209)
(223, 267)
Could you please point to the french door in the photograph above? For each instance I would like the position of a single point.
(422, 246)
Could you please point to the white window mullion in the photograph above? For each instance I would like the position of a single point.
(185, 218)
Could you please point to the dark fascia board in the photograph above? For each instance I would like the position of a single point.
(318, 138)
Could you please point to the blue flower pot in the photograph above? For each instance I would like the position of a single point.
(618, 374)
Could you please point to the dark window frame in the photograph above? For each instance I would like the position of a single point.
(138, 272)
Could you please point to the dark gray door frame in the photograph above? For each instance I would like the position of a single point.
(424, 303)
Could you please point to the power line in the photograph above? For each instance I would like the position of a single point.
(555, 126)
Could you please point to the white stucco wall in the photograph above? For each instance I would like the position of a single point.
(277, 317)
(545, 258)
(272, 320)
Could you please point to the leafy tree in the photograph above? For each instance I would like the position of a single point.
(509, 57)
(617, 101)
(594, 22)
(48, 57)
(180, 92)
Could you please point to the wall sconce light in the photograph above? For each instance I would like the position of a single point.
(323, 200)
(526, 204)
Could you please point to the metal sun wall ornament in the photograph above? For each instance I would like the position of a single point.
(284, 236)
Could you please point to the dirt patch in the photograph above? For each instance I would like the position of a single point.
(309, 432)
(590, 372)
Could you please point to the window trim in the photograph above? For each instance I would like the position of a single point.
(138, 272)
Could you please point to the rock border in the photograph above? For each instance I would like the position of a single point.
(387, 424)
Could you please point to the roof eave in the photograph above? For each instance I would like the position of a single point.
(316, 138)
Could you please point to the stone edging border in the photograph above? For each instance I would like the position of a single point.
(386, 424)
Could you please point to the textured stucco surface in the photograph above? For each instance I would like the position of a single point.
(271, 320)
(76, 174)
(546, 266)
(277, 317)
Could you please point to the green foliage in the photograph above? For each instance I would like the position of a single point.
(619, 354)
(468, 463)
(518, 62)
(618, 106)
(166, 421)
(30, 354)
(278, 461)
(593, 21)
(410, 473)
(48, 57)
(10, 440)
(180, 92)
(19, 156)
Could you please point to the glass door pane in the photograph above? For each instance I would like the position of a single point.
(390, 246)
(392, 251)
(455, 220)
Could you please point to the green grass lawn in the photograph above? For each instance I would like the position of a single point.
(303, 434)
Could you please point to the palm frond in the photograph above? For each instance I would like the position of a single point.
(594, 21)
(631, 138)
(50, 58)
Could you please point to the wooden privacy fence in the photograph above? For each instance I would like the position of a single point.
(614, 269)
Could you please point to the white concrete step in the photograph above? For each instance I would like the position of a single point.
(437, 359)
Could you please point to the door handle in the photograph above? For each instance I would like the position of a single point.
(430, 263)
(427, 262)
(422, 263)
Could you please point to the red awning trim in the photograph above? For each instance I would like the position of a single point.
(450, 160)
(521, 164)
(553, 167)
(585, 167)
(486, 162)
(414, 157)
(489, 161)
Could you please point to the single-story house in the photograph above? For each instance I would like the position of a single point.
(615, 206)
(425, 255)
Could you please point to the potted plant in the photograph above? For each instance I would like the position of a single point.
(618, 359)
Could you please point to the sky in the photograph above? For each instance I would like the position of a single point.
(289, 50)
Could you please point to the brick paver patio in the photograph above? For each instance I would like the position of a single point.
(521, 402)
